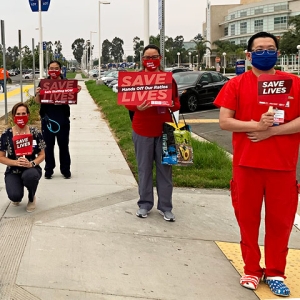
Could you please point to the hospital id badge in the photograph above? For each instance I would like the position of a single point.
(279, 116)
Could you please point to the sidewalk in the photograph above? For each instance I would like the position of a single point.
(84, 241)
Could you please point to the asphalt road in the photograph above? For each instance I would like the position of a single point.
(205, 123)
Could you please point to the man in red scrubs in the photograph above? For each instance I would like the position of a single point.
(264, 164)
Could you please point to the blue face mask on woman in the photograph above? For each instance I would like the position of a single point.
(264, 60)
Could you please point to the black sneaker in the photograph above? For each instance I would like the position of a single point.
(48, 176)
(67, 175)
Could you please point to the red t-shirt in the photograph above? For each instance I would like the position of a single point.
(150, 122)
(275, 153)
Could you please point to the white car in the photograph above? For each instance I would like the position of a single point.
(115, 88)
(30, 75)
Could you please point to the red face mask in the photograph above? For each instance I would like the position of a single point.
(151, 64)
(21, 121)
(54, 73)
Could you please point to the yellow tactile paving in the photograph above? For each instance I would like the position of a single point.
(195, 121)
(233, 252)
(16, 91)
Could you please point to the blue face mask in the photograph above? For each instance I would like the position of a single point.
(265, 61)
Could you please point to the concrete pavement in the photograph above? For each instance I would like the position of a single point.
(84, 241)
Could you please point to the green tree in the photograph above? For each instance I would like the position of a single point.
(138, 46)
(117, 49)
(290, 39)
(106, 50)
(77, 47)
(200, 47)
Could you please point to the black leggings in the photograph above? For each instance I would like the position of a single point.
(15, 184)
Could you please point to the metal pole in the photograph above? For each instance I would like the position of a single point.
(4, 68)
(21, 81)
(41, 65)
(33, 64)
(99, 43)
(298, 60)
(91, 49)
(162, 31)
(146, 22)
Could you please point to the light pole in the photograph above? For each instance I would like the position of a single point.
(298, 48)
(178, 55)
(91, 49)
(224, 67)
(190, 59)
(141, 61)
(246, 60)
(197, 62)
(167, 50)
(99, 37)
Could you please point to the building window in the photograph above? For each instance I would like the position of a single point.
(225, 31)
(280, 23)
(280, 7)
(243, 14)
(258, 25)
(243, 27)
(232, 29)
(243, 42)
(232, 17)
(258, 11)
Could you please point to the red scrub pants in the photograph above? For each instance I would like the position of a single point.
(279, 190)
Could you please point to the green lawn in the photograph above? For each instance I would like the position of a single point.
(211, 168)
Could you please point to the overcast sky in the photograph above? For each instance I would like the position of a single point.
(67, 20)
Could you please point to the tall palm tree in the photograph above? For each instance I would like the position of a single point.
(201, 47)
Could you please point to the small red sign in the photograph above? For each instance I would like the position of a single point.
(273, 90)
(58, 91)
(136, 87)
(23, 144)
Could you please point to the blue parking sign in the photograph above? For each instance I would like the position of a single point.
(45, 5)
(34, 5)
(240, 67)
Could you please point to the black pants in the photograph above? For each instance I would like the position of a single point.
(62, 137)
(15, 184)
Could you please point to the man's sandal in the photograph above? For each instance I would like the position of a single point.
(277, 286)
(249, 282)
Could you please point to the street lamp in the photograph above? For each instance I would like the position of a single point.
(99, 37)
(178, 55)
(224, 67)
(246, 60)
(91, 49)
(197, 62)
(298, 48)
(190, 59)
(167, 50)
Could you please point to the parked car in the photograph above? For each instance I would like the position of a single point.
(115, 88)
(198, 88)
(12, 73)
(177, 69)
(30, 75)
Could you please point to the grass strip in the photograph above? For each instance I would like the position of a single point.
(211, 169)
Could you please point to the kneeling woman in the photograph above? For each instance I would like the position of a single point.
(22, 171)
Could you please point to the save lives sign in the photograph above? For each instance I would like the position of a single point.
(23, 144)
(136, 87)
(58, 91)
(274, 90)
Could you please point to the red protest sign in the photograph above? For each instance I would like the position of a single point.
(136, 87)
(58, 91)
(23, 144)
(273, 90)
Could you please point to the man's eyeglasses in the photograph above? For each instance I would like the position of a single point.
(262, 51)
(151, 57)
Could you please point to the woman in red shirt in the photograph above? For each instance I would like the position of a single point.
(147, 127)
